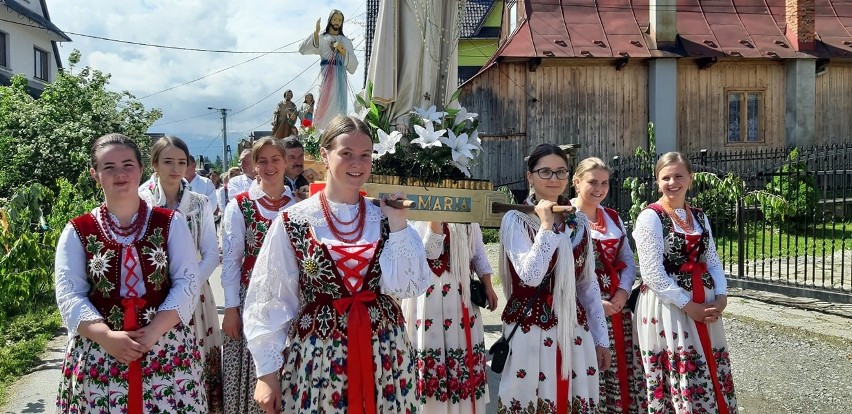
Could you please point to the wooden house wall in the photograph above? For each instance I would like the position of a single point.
(703, 104)
(591, 104)
(834, 104)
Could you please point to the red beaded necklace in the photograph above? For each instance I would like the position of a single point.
(599, 224)
(273, 205)
(331, 218)
(687, 225)
(133, 229)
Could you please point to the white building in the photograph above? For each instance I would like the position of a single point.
(28, 43)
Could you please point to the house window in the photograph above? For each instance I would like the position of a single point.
(745, 111)
(4, 49)
(42, 65)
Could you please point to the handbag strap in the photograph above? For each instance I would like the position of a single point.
(528, 307)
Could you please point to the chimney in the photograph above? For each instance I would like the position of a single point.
(663, 15)
(801, 29)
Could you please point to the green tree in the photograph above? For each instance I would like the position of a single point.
(48, 138)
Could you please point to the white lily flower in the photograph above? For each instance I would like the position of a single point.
(387, 143)
(463, 115)
(460, 146)
(428, 137)
(473, 139)
(463, 166)
(432, 114)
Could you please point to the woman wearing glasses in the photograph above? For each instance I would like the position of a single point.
(554, 296)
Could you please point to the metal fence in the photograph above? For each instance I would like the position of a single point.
(805, 252)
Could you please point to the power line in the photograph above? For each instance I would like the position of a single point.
(181, 120)
(280, 88)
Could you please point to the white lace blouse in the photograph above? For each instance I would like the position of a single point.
(234, 242)
(199, 214)
(272, 300)
(72, 286)
(531, 258)
(650, 246)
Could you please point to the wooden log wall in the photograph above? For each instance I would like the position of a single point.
(834, 104)
(703, 102)
(588, 103)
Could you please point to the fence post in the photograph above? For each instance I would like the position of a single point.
(740, 238)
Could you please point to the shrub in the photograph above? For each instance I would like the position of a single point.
(793, 184)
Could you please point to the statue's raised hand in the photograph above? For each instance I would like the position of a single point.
(317, 30)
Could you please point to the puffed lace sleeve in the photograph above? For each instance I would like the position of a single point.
(233, 250)
(714, 265)
(72, 287)
(272, 300)
(183, 270)
(589, 291)
(529, 258)
(209, 245)
(405, 273)
(432, 242)
(628, 274)
(480, 258)
(648, 235)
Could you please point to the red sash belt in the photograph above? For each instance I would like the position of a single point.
(697, 271)
(134, 379)
(469, 358)
(563, 385)
(359, 370)
(617, 320)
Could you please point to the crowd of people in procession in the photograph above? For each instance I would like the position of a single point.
(337, 303)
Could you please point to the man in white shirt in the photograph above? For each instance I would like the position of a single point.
(242, 183)
(199, 184)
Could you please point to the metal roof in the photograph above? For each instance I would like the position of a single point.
(38, 19)
(706, 28)
(475, 13)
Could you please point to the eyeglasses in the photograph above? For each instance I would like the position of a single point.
(547, 173)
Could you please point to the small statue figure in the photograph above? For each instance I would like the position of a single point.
(337, 57)
(284, 117)
(307, 111)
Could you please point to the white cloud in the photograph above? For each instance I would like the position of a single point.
(260, 25)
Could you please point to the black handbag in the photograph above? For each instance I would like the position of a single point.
(499, 351)
(477, 293)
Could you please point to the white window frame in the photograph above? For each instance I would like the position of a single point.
(44, 69)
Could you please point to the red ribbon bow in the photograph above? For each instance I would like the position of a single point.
(362, 385)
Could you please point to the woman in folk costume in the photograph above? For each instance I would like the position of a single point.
(445, 327)
(683, 294)
(169, 159)
(622, 386)
(555, 357)
(246, 221)
(322, 318)
(126, 289)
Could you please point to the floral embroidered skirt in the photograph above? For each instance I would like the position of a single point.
(676, 371)
(239, 376)
(205, 324)
(529, 381)
(95, 382)
(611, 388)
(451, 376)
(314, 377)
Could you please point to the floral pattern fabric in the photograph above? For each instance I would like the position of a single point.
(95, 382)
(677, 374)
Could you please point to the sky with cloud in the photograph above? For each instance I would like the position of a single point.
(251, 83)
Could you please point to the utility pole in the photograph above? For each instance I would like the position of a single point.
(224, 112)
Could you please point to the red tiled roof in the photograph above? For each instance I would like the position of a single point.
(706, 28)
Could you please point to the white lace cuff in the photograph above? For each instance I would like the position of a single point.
(434, 244)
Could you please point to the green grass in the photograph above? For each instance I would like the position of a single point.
(24, 339)
(767, 243)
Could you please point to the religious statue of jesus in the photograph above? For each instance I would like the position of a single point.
(337, 57)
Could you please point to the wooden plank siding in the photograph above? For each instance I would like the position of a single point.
(586, 102)
(834, 104)
(703, 102)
